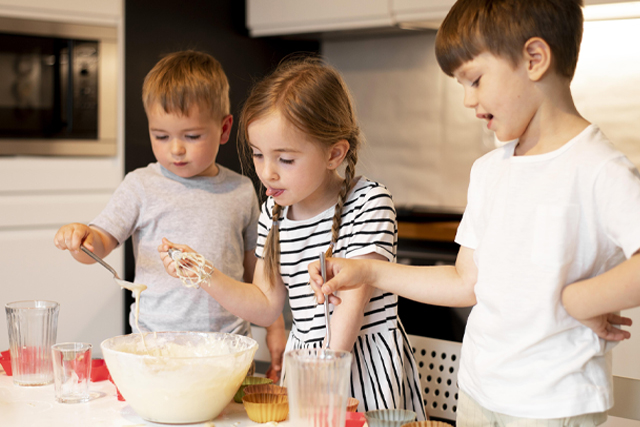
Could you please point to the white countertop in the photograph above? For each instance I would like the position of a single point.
(36, 407)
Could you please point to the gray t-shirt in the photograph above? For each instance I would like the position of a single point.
(215, 216)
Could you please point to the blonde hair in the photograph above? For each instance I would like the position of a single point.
(182, 80)
(313, 97)
(502, 27)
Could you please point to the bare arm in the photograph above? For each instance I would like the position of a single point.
(615, 290)
(596, 301)
(258, 302)
(276, 343)
(347, 317)
(276, 335)
(451, 286)
(71, 236)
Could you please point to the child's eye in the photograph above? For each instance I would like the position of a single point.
(257, 155)
(476, 83)
(160, 137)
(193, 137)
(286, 161)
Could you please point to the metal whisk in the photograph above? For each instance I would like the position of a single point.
(327, 315)
(191, 267)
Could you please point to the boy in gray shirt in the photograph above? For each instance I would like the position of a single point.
(184, 194)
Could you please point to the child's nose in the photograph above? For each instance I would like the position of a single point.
(470, 100)
(177, 147)
(270, 172)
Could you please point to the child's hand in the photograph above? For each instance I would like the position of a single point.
(276, 343)
(342, 274)
(167, 261)
(604, 327)
(71, 236)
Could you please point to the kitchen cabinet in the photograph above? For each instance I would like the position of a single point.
(40, 194)
(279, 17)
(288, 17)
(103, 12)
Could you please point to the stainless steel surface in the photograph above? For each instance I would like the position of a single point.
(327, 314)
(101, 261)
(106, 144)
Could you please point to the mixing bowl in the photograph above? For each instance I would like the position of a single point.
(178, 377)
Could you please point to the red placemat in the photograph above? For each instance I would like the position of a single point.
(5, 361)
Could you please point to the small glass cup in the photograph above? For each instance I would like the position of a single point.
(32, 328)
(72, 371)
(318, 386)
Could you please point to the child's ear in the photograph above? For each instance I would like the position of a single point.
(337, 154)
(537, 55)
(227, 123)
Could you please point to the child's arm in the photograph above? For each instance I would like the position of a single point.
(276, 343)
(276, 335)
(593, 301)
(451, 286)
(72, 236)
(347, 317)
(258, 302)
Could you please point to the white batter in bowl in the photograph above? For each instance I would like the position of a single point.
(180, 377)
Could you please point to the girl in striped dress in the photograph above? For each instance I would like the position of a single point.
(299, 126)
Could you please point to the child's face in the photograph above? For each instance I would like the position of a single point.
(292, 168)
(187, 145)
(499, 93)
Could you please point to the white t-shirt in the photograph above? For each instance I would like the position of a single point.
(537, 224)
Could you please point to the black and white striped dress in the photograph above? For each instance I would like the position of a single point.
(383, 372)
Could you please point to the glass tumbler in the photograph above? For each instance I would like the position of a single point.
(72, 371)
(318, 386)
(32, 327)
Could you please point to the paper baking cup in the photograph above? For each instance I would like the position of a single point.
(249, 381)
(389, 417)
(352, 404)
(427, 424)
(265, 389)
(263, 408)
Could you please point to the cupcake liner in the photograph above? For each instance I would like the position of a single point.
(249, 381)
(352, 404)
(264, 388)
(263, 408)
(427, 424)
(389, 417)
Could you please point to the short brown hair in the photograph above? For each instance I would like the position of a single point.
(502, 27)
(185, 79)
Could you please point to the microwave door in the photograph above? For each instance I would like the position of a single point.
(62, 82)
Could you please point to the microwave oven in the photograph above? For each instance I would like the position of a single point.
(58, 86)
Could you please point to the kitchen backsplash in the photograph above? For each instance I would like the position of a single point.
(421, 141)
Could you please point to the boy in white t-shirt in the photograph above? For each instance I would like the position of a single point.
(556, 205)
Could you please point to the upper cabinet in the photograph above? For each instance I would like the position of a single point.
(96, 12)
(288, 17)
(420, 13)
(280, 17)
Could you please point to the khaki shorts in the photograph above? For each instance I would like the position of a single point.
(471, 414)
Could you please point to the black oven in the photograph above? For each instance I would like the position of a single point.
(445, 323)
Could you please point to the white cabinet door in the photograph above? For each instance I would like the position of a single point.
(421, 13)
(91, 303)
(104, 12)
(280, 17)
